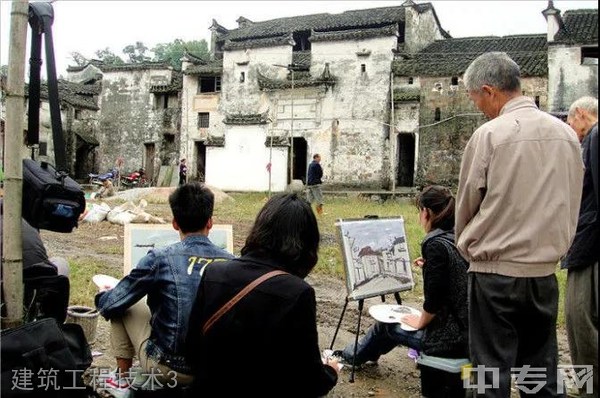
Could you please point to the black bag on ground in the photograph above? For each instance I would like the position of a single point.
(41, 360)
(51, 199)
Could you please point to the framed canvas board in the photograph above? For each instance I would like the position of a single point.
(375, 253)
(140, 238)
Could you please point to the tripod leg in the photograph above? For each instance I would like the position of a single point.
(339, 324)
(398, 298)
(360, 309)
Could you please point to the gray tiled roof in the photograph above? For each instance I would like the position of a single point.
(87, 137)
(579, 26)
(325, 22)
(129, 67)
(412, 93)
(175, 86)
(451, 57)
(215, 140)
(122, 67)
(209, 68)
(301, 79)
(280, 40)
(351, 34)
(79, 68)
(239, 119)
(77, 95)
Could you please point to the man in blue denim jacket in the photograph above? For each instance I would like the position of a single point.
(154, 328)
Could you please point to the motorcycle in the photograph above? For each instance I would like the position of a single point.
(96, 179)
(135, 179)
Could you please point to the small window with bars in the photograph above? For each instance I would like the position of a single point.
(203, 120)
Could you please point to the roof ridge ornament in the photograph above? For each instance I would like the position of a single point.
(243, 22)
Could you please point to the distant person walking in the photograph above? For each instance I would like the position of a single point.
(516, 212)
(581, 262)
(182, 172)
(313, 182)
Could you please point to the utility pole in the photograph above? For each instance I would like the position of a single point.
(12, 241)
(291, 69)
(270, 161)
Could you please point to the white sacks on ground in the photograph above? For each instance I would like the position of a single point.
(96, 213)
(130, 213)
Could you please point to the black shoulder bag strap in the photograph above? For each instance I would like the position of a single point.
(228, 305)
(41, 17)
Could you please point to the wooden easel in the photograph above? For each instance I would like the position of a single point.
(361, 303)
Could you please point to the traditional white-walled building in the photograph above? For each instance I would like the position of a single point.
(572, 56)
(377, 92)
(284, 89)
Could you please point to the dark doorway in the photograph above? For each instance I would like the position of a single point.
(300, 156)
(200, 156)
(149, 161)
(406, 160)
(84, 162)
(85, 157)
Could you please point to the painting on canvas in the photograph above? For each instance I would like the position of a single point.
(376, 260)
(140, 238)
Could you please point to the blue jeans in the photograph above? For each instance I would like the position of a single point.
(380, 339)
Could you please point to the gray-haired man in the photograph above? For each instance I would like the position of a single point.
(581, 297)
(518, 198)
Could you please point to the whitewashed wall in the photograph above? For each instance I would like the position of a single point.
(356, 111)
(421, 29)
(242, 164)
(568, 79)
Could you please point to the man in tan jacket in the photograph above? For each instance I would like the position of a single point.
(517, 205)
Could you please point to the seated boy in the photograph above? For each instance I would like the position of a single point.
(153, 329)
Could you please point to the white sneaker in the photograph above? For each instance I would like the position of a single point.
(119, 392)
(115, 384)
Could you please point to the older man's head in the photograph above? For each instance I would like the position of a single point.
(583, 114)
(492, 80)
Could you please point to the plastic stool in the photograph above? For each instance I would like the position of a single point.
(441, 377)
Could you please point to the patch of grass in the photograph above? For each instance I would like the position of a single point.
(241, 213)
(110, 249)
(245, 206)
(83, 290)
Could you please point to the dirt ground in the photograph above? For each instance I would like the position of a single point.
(394, 376)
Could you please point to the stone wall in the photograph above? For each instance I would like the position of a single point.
(441, 143)
(568, 78)
(128, 118)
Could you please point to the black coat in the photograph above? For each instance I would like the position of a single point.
(315, 173)
(584, 250)
(445, 289)
(266, 345)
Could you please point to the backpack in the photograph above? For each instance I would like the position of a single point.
(51, 199)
